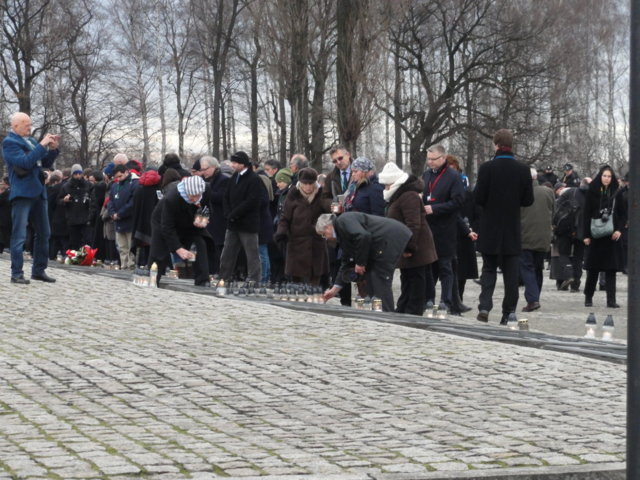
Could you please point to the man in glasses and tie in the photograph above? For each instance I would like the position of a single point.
(336, 183)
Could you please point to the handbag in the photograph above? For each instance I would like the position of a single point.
(602, 228)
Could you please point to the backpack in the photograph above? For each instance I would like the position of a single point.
(565, 217)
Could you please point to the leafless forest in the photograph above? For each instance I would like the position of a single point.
(272, 77)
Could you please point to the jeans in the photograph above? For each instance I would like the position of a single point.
(263, 249)
(23, 210)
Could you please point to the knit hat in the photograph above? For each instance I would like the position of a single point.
(196, 166)
(307, 175)
(194, 185)
(76, 168)
(390, 174)
(242, 158)
(284, 175)
(363, 164)
(558, 185)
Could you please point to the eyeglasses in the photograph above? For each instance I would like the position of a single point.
(205, 169)
(434, 158)
(337, 159)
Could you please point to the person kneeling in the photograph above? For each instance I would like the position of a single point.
(179, 221)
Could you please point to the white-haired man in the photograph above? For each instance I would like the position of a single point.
(25, 158)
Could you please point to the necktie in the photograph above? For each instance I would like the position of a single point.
(345, 180)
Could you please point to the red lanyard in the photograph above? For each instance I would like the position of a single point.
(433, 184)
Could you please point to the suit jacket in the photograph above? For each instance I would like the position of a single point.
(504, 185)
(369, 240)
(27, 154)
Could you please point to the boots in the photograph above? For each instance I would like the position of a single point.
(610, 285)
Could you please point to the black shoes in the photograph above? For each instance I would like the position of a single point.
(530, 307)
(588, 302)
(565, 284)
(20, 280)
(612, 305)
(505, 319)
(483, 316)
(43, 277)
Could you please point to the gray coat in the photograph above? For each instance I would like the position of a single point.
(372, 241)
(535, 220)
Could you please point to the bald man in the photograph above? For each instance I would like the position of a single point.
(25, 158)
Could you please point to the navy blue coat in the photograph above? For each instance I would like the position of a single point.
(444, 192)
(369, 198)
(29, 155)
(121, 202)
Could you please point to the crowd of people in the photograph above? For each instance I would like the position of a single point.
(238, 219)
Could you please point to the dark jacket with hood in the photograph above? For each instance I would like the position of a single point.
(77, 210)
(604, 254)
(121, 202)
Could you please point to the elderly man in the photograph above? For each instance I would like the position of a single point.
(242, 210)
(25, 158)
(208, 168)
(297, 162)
(120, 209)
(371, 245)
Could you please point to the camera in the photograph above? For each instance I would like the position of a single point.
(604, 214)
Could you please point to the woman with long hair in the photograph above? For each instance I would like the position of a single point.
(603, 254)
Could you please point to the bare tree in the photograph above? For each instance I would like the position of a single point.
(214, 22)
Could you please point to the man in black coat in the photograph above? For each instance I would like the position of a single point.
(175, 227)
(371, 245)
(242, 210)
(208, 168)
(503, 186)
(443, 197)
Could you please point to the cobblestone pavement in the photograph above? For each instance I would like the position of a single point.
(101, 379)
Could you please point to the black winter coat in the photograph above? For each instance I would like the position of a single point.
(57, 217)
(172, 223)
(218, 225)
(76, 210)
(443, 190)
(242, 202)
(504, 185)
(604, 254)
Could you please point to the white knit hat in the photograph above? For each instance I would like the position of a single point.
(390, 174)
(194, 185)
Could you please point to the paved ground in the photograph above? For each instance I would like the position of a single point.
(102, 379)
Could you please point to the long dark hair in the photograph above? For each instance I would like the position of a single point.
(597, 186)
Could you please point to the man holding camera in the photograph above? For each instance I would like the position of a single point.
(25, 158)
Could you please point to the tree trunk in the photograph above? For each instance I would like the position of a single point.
(317, 124)
(397, 107)
(163, 118)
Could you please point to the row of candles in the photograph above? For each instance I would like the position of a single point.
(591, 326)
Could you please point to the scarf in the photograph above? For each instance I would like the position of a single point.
(388, 193)
(308, 197)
